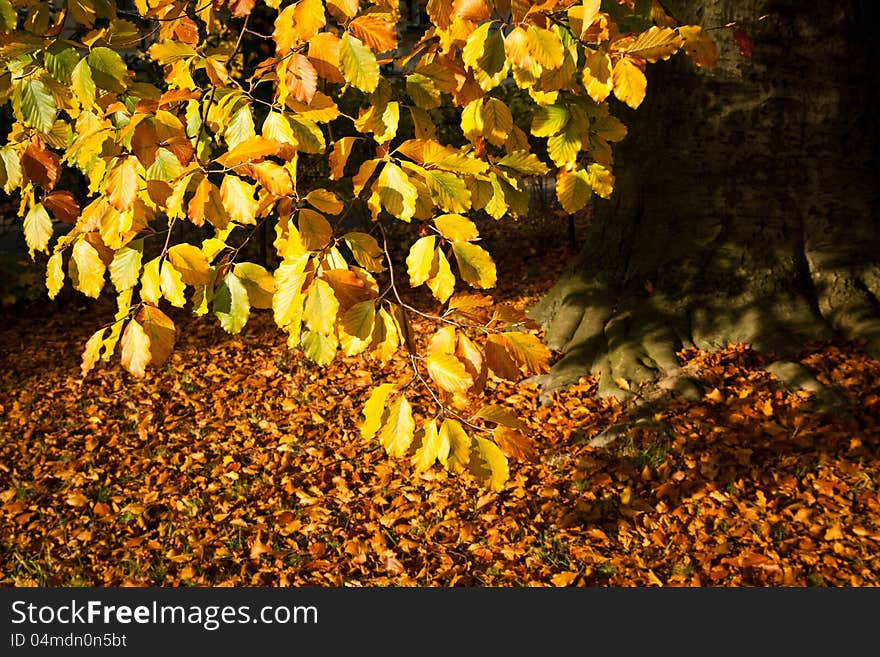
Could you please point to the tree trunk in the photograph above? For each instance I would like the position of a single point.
(746, 202)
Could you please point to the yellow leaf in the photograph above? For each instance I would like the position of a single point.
(396, 193)
(298, 22)
(325, 201)
(324, 54)
(448, 372)
(321, 307)
(573, 190)
(258, 282)
(385, 336)
(135, 349)
(699, 46)
(238, 200)
(458, 445)
(273, 177)
(92, 351)
(497, 121)
(442, 284)
(189, 260)
(527, 350)
(358, 320)
(122, 184)
(37, 229)
(545, 47)
(374, 409)
(287, 302)
(655, 43)
(629, 82)
(431, 449)
(474, 264)
(366, 250)
(454, 227)
(359, 65)
(314, 230)
(601, 180)
(251, 149)
(151, 284)
(86, 269)
(160, 330)
(419, 262)
(339, 156)
(54, 275)
(597, 75)
(397, 432)
(171, 284)
(126, 266)
(489, 463)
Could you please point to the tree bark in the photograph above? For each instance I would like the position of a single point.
(746, 202)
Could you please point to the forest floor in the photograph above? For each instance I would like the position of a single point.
(239, 463)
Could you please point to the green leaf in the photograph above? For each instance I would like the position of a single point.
(38, 106)
(86, 269)
(8, 17)
(359, 66)
(319, 348)
(420, 260)
(83, 84)
(475, 264)
(166, 166)
(231, 304)
(60, 60)
(374, 409)
(109, 70)
(488, 463)
(396, 434)
(37, 229)
(125, 267)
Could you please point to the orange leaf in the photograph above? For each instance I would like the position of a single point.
(41, 166)
(302, 78)
(375, 32)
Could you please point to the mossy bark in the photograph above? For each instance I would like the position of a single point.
(746, 202)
